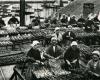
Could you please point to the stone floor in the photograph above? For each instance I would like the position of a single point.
(6, 72)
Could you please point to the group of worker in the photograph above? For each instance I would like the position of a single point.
(89, 24)
(63, 38)
(11, 21)
(70, 55)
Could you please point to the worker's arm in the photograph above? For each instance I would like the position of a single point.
(48, 56)
(89, 70)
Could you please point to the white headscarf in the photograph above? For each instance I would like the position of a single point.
(57, 28)
(74, 43)
(34, 43)
(96, 52)
(53, 38)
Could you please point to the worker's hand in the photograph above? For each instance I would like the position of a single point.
(67, 36)
(68, 62)
(88, 27)
(37, 61)
(71, 38)
(41, 63)
(74, 61)
(55, 58)
(51, 57)
(83, 27)
(42, 55)
(97, 75)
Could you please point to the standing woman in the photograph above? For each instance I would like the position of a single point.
(58, 35)
(68, 37)
(13, 21)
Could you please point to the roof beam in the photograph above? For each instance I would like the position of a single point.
(17, 2)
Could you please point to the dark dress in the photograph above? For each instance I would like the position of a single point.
(71, 54)
(89, 25)
(34, 53)
(64, 20)
(81, 20)
(72, 21)
(66, 36)
(53, 21)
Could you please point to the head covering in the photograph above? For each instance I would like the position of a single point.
(69, 26)
(13, 14)
(63, 15)
(96, 52)
(34, 43)
(57, 28)
(74, 43)
(73, 16)
(53, 38)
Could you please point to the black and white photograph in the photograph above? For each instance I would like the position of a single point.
(49, 39)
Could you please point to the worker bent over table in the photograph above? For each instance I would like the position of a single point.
(13, 21)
